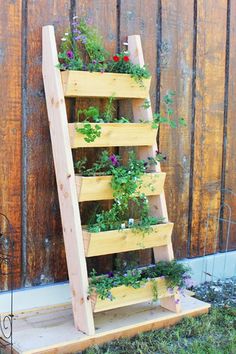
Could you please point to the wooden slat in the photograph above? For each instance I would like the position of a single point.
(230, 163)
(117, 241)
(97, 11)
(99, 187)
(126, 296)
(86, 84)
(45, 254)
(114, 134)
(209, 115)
(157, 203)
(10, 127)
(55, 332)
(176, 75)
(140, 17)
(66, 186)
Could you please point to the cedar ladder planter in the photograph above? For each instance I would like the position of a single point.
(79, 243)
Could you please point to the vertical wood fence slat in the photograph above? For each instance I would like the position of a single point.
(140, 17)
(230, 173)
(176, 75)
(209, 117)
(103, 16)
(10, 123)
(45, 248)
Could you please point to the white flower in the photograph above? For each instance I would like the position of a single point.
(66, 34)
(63, 39)
(75, 17)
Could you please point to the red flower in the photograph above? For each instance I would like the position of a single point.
(126, 58)
(116, 58)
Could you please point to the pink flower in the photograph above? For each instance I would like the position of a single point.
(70, 54)
(114, 160)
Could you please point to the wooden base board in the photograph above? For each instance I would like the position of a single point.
(51, 330)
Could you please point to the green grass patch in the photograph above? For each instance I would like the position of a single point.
(213, 333)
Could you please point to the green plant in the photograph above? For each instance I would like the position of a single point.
(129, 203)
(91, 133)
(158, 119)
(121, 64)
(174, 273)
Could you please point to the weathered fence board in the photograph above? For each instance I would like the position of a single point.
(176, 60)
(187, 49)
(45, 249)
(140, 17)
(10, 123)
(209, 117)
(229, 159)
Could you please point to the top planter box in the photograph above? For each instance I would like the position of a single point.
(86, 84)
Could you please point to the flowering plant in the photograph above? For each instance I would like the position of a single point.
(129, 203)
(175, 274)
(82, 49)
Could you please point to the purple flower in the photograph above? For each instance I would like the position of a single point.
(70, 54)
(114, 160)
(82, 38)
(177, 301)
(110, 275)
(189, 282)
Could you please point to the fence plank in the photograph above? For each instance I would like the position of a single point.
(210, 57)
(176, 58)
(45, 248)
(230, 172)
(103, 16)
(10, 128)
(140, 17)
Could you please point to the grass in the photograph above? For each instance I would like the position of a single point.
(213, 333)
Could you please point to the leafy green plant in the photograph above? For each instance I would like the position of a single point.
(91, 133)
(174, 273)
(169, 113)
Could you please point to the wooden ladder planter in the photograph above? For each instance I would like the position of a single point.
(99, 187)
(80, 244)
(126, 296)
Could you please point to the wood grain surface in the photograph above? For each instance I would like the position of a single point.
(189, 47)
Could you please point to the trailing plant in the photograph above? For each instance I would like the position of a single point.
(158, 118)
(130, 207)
(175, 274)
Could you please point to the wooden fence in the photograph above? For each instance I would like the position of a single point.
(190, 47)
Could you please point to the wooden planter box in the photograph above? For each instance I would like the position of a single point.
(116, 241)
(125, 296)
(99, 187)
(115, 134)
(86, 84)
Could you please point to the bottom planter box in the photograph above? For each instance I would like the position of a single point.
(116, 241)
(126, 295)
